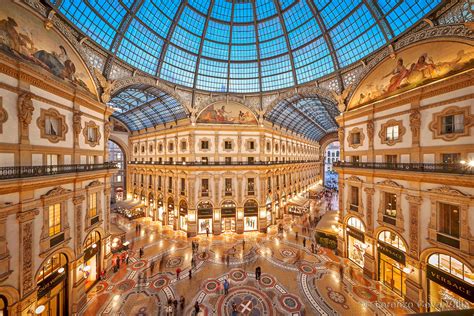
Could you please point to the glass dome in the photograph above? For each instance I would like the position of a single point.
(242, 46)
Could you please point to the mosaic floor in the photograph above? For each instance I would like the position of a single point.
(293, 281)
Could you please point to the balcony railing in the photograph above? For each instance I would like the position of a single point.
(40, 171)
(220, 163)
(457, 168)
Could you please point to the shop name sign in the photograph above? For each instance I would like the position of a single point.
(392, 252)
(205, 212)
(50, 282)
(459, 287)
(357, 234)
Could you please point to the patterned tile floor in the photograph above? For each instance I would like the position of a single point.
(293, 281)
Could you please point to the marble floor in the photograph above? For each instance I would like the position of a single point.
(293, 280)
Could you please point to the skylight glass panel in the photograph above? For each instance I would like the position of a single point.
(241, 86)
(186, 40)
(215, 50)
(218, 32)
(360, 46)
(276, 65)
(88, 22)
(335, 11)
(286, 3)
(137, 57)
(211, 83)
(243, 52)
(201, 6)
(243, 70)
(265, 9)
(222, 10)
(111, 11)
(279, 81)
(243, 12)
(168, 7)
(408, 13)
(304, 34)
(317, 69)
(154, 18)
(353, 26)
(192, 22)
(387, 5)
(273, 48)
(243, 34)
(269, 29)
(297, 15)
(212, 68)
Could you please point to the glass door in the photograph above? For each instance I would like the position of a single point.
(391, 275)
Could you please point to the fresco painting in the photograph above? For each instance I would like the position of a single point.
(23, 36)
(227, 113)
(412, 68)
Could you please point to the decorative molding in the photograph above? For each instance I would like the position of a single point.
(25, 113)
(415, 125)
(448, 191)
(390, 183)
(414, 227)
(370, 132)
(62, 126)
(3, 115)
(107, 130)
(383, 132)
(76, 123)
(352, 132)
(85, 132)
(57, 191)
(436, 124)
(94, 183)
(354, 178)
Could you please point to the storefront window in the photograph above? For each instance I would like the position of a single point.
(392, 239)
(356, 241)
(52, 289)
(450, 283)
(250, 215)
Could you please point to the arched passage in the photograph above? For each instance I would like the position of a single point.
(118, 155)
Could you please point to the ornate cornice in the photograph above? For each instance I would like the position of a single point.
(448, 191)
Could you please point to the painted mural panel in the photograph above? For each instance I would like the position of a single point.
(227, 113)
(23, 36)
(413, 67)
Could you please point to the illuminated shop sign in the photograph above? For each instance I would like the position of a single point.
(392, 252)
(451, 283)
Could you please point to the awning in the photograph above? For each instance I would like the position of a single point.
(299, 201)
(326, 223)
(129, 204)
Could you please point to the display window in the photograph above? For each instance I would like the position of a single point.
(183, 222)
(203, 224)
(52, 286)
(228, 224)
(250, 223)
(450, 284)
(356, 250)
(92, 254)
(391, 274)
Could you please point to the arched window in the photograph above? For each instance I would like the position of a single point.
(452, 266)
(392, 239)
(356, 223)
(93, 238)
(3, 306)
(51, 266)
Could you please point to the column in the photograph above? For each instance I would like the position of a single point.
(4, 252)
(370, 136)
(27, 279)
(192, 212)
(415, 125)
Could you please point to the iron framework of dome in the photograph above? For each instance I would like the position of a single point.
(242, 46)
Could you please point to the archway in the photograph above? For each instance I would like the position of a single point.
(391, 258)
(92, 258)
(52, 283)
(170, 211)
(250, 215)
(183, 215)
(117, 154)
(228, 216)
(355, 236)
(205, 212)
(331, 154)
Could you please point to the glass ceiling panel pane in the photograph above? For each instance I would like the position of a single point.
(228, 31)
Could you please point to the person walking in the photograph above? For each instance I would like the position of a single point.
(227, 259)
(169, 308)
(312, 247)
(181, 303)
(226, 287)
(127, 258)
(304, 242)
(190, 273)
(178, 271)
(258, 272)
(243, 244)
(296, 235)
(193, 262)
(141, 252)
(197, 309)
(175, 305)
(152, 267)
(207, 231)
(341, 272)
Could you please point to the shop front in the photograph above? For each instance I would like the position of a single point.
(151, 205)
(355, 233)
(92, 262)
(391, 261)
(228, 212)
(450, 284)
(52, 281)
(250, 216)
(118, 195)
(276, 203)
(170, 211)
(269, 210)
(183, 215)
(159, 208)
(204, 211)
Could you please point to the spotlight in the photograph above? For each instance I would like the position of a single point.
(39, 309)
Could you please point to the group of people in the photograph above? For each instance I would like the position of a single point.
(122, 258)
(174, 306)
